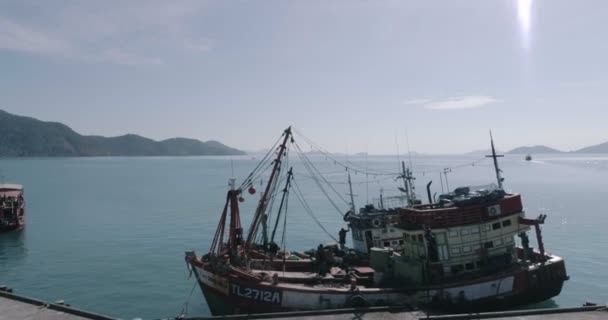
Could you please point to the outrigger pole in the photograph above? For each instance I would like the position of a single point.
(263, 201)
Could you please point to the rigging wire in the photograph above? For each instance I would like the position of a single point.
(349, 165)
(311, 169)
(353, 167)
(248, 181)
(346, 182)
(273, 191)
(307, 208)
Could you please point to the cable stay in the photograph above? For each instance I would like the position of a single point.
(308, 210)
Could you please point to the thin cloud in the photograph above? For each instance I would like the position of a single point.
(454, 103)
(416, 101)
(131, 33)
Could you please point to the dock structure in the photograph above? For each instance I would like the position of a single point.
(392, 313)
(13, 306)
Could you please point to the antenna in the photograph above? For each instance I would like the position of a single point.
(495, 156)
(445, 174)
(366, 179)
(398, 155)
(407, 144)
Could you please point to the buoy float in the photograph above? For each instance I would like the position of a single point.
(241, 199)
(251, 190)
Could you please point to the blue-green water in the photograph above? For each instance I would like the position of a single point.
(108, 234)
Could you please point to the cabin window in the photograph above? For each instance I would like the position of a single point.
(479, 264)
(420, 239)
(453, 234)
(384, 230)
(475, 230)
(488, 245)
(498, 242)
(464, 232)
(457, 269)
(506, 223)
(392, 230)
(387, 243)
(476, 247)
(455, 250)
(486, 227)
(508, 239)
(401, 242)
(496, 226)
(406, 236)
(466, 249)
(469, 266)
(395, 243)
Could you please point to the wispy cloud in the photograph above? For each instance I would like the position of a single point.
(122, 32)
(462, 102)
(416, 101)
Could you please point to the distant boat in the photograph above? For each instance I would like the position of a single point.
(528, 157)
(12, 207)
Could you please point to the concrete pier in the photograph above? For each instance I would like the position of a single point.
(13, 306)
(391, 313)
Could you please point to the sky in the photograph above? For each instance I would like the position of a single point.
(353, 76)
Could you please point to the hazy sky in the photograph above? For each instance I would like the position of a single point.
(351, 75)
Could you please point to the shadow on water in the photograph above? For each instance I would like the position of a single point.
(12, 247)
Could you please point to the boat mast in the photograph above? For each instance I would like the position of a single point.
(405, 185)
(352, 196)
(407, 176)
(263, 201)
(495, 156)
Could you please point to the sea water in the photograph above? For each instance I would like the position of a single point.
(109, 234)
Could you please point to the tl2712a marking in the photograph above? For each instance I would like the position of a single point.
(260, 295)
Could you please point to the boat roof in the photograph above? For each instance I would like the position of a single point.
(10, 187)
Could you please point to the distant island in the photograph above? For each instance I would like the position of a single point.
(28, 137)
(598, 148)
(534, 149)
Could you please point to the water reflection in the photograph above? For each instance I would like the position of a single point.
(12, 248)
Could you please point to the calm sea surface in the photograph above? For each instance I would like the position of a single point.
(109, 234)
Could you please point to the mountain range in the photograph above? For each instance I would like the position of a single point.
(28, 137)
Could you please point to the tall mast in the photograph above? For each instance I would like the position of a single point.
(263, 201)
(408, 185)
(495, 156)
(352, 196)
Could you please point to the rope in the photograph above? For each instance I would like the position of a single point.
(353, 167)
(184, 312)
(468, 164)
(314, 173)
(309, 210)
(249, 181)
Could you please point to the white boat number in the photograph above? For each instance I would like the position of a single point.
(260, 295)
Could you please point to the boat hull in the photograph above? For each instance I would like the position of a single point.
(12, 216)
(232, 295)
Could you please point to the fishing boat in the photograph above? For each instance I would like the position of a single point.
(528, 157)
(457, 253)
(12, 207)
